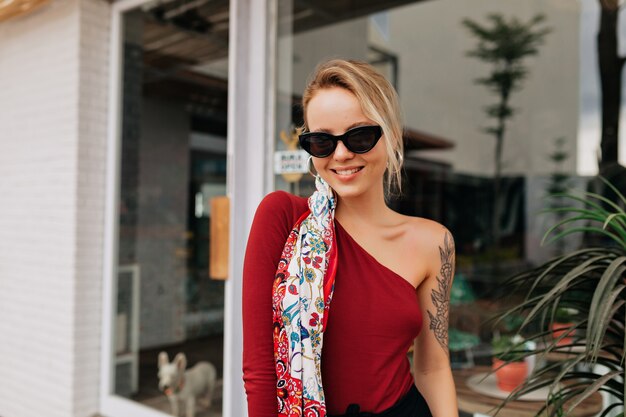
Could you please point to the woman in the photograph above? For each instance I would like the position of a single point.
(336, 287)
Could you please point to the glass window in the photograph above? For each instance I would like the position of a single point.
(450, 155)
(173, 166)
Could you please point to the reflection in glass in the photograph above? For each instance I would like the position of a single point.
(421, 47)
(173, 162)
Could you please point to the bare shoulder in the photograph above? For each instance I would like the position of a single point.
(428, 233)
(432, 239)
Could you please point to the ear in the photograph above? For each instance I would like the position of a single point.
(163, 359)
(181, 361)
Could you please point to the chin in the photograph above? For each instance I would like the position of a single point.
(343, 191)
(345, 195)
(352, 189)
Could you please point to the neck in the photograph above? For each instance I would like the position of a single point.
(369, 208)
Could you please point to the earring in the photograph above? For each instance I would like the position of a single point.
(309, 164)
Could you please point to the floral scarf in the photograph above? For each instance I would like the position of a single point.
(303, 288)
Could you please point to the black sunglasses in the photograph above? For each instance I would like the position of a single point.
(358, 140)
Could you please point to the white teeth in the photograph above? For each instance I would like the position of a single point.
(348, 172)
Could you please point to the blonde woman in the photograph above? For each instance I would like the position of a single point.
(338, 286)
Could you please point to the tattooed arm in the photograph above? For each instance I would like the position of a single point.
(433, 376)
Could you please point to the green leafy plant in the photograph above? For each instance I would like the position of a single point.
(565, 314)
(504, 44)
(592, 281)
(509, 348)
(558, 184)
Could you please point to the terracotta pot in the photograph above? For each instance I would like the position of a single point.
(511, 375)
(559, 329)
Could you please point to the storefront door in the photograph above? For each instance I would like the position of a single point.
(183, 189)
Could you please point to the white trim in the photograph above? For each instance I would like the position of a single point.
(112, 405)
(111, 211)
(249, 175)
(131, 354)
(589, 117)
(271, 66)
(119, 406)
(121, 6)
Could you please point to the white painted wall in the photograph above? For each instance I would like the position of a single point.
(436, 78)
(438, 94)
(52, 134)
(94, 21)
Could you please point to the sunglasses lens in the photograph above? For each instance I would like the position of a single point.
(361, 141)
(357, 140)
(319, 145)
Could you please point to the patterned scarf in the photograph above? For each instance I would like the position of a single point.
(303, 288)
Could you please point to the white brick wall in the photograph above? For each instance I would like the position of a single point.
(38, 144)
(92, 130)
(52, 136)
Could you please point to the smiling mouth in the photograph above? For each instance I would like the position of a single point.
(346, 171)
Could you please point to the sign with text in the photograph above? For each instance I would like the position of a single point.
(290, 162)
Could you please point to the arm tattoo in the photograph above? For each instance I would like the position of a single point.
(441, 296)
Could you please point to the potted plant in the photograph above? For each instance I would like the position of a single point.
(563, 325)
(591, 280)
(509, 365)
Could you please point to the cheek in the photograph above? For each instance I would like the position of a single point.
(379, 156)
(317, 165)
(319, 168)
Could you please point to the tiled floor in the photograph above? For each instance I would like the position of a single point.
(205, 349)
(161, 403)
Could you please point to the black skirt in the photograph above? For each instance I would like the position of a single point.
(411, 405)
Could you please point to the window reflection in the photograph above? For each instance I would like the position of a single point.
(449, 168)
(173, 164)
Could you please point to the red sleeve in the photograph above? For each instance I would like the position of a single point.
(272, 223)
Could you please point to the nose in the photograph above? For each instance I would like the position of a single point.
(341, 152)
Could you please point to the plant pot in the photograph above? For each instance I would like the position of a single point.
(560, 329)
(510, 375)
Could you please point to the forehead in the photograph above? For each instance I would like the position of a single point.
(168, 368)
(334, 110)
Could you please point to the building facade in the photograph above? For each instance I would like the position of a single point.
(122, 124)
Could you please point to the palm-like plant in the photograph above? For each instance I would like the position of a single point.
(592, 282)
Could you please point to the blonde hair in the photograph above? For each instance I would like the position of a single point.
(379, 102)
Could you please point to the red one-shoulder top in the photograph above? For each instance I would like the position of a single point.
(374, 318)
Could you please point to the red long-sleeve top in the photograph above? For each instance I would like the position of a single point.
(374, 317)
